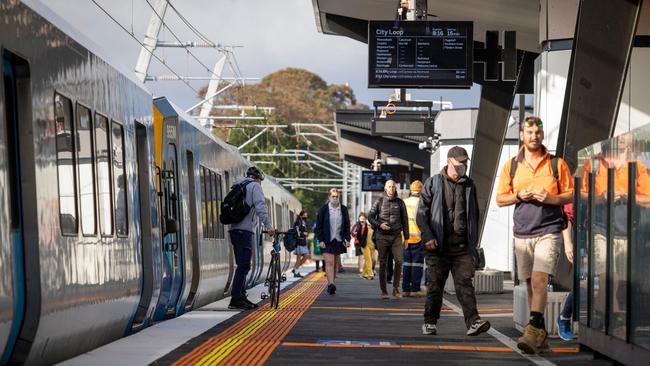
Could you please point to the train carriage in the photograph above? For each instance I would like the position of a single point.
(109, 200)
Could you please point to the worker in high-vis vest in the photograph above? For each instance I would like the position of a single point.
(413, 248)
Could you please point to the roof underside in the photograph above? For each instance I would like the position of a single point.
(349, 18)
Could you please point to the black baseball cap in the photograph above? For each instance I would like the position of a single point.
(457, 153)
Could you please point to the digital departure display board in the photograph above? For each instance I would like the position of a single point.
(420, 54)
(373, 181)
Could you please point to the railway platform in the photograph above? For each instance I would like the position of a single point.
(353, 327)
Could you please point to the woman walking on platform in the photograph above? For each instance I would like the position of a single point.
(302, 250)
(333, 234)
(362, 234)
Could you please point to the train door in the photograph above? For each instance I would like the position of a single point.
(13, 291)
(172, 237)
(195, 271)
(145, 237)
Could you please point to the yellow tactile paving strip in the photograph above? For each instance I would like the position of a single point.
(251, 340)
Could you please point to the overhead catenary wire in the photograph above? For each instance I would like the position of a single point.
(142, 45)
(181, 42)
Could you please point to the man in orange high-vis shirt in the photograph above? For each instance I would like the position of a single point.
(539, 184)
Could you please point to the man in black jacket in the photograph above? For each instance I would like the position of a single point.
(448, 218)
(388, 217)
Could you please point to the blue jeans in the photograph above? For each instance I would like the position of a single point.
(413, 267)
(242, 242)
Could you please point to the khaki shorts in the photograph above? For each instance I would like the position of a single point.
(620, 252)
(538, 254)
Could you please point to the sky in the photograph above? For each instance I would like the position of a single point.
(274, 34)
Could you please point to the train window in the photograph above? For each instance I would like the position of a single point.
(65, 165)
(204, 220)
(213, 203)
(208, 200)
(119, 180)
(279, 217)
(86, 170)
(103, 157)
(219, 197)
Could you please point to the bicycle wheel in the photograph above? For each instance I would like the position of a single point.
(278, 275)
(272, 281)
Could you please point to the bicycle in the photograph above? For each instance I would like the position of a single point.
(274, 275)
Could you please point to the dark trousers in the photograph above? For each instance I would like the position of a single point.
(389, 267)
(390, 243)
(462, 269)
(413, 267)
(242, 243)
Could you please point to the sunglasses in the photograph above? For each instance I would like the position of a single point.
(533, 121)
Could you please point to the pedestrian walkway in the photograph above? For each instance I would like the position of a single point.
(356, 327)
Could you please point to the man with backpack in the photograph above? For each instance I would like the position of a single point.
(242, 208)
(539, 184)
(448, 218)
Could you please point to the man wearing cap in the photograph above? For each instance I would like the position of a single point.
(448, 218)
(538, 184)
(413, 249)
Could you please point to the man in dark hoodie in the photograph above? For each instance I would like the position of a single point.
(448, 218)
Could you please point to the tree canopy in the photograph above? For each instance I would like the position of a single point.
(297, 96)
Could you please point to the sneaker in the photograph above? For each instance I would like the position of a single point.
(240, 304)
(479, 326)
(341, 270)
(407, 294)
(389, 281)
(564, 328)
(397, 294)
(532, 340)
(429, 329)
(250, 303)
(419, 294)
(331, 289)
(384, 296)
(297, 275)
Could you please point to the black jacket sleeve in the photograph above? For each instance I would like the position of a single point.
(405, 219)
(318, 231)
(346, 223)
(423, 217)
(373, 216)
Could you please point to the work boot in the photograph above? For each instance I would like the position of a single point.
(396, 293)
(532, 340)
(384, 296)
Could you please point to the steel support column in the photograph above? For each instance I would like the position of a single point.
(602, 47)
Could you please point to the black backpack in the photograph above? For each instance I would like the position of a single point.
(234, 207)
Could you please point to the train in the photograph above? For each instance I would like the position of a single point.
(109, 198)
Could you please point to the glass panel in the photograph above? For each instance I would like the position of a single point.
(208, 200)
(213, 203)
(619, 156)
(599, 242)
(65, 165)
(204, 221)
(119, 180)
(640, 246)
(85, 156)
(219, 197)
(102, 143)
(278, 217)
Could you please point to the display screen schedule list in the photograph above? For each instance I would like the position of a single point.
(420, 54)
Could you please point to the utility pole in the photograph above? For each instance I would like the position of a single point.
(150, 39)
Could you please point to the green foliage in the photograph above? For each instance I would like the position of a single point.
(298, 96)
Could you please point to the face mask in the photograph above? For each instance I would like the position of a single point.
(460, 169)
(334, 201)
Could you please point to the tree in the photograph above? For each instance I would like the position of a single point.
(298, 96)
